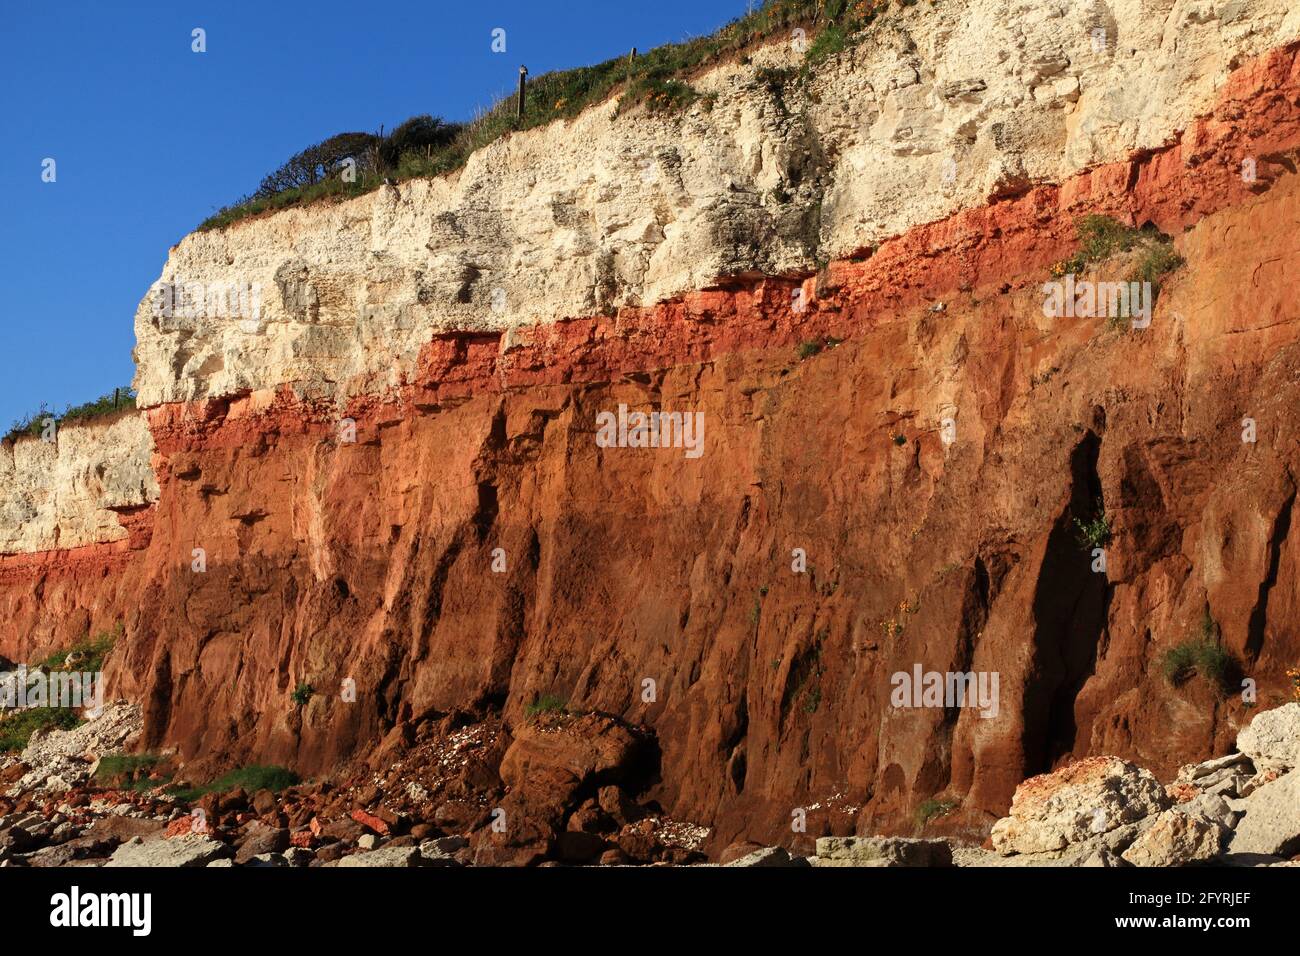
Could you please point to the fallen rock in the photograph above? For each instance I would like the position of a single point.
(191, 850)
(62, 759)
(738, 850)
(259, 839)
(1177, 838)
(385, 856)
(1271, 825)
(769, 856)
(1195, 772)
(371, 822)
(881, 851)
(1272, 739)
(1077, 804)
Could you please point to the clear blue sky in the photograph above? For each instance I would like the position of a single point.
(151, 138)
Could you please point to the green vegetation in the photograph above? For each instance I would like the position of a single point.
(1157, 261)
(128, 771)
(1201, 655)
(933, 808)
(660, 79)
(302, 693)
(1094, 532)
(1201, 658)
(249, 779)
(86, 655)
(1101, 238)
(813, 347)
(33, 423)
(547, 704)
(17, 728)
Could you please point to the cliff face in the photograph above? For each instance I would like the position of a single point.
(930, 460)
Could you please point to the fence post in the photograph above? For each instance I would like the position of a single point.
(523, 74)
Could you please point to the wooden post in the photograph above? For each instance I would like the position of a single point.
(523, 75)
(115, 391)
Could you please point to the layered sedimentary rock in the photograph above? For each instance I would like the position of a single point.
(381, 477)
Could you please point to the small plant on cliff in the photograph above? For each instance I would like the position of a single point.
(1201, 655)
(547, 704)
(302, 694)
(1101, 238)
(934, 808)
(1094, 531)
(1199, 658)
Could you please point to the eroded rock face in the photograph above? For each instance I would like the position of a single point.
(76, 489)
(1077, 804)
(372, 561)
(193, 849)
(936, 110)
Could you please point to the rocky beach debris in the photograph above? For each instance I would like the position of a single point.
(570, 789)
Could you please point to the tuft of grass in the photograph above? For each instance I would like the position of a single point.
(1157, 261)
(249, 779)
(1202, 655)
(1198, 658)
(547, 704)
(302, 694)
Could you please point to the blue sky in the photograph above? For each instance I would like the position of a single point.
(150, 138)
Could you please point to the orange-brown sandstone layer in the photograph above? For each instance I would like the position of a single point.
(374, 560)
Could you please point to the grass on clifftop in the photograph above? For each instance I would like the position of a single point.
(658, 78)
(33, 424)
